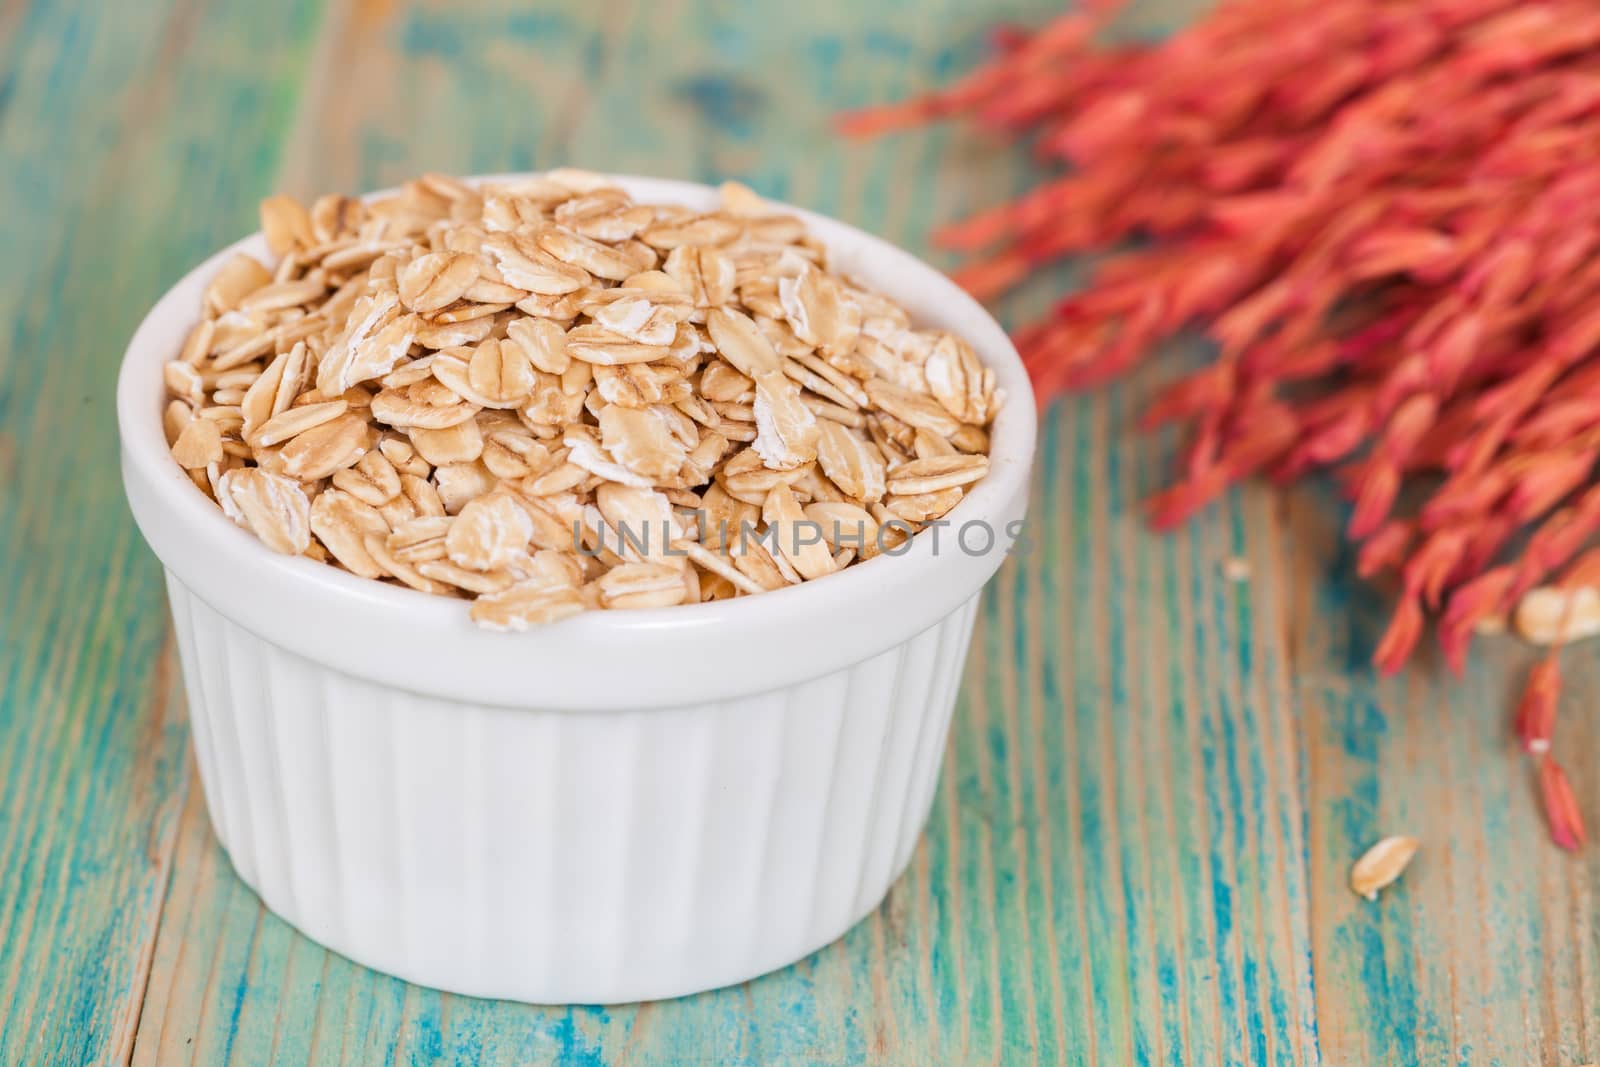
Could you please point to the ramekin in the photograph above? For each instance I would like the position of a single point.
(622, 806)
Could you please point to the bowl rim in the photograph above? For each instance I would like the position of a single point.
(163, 497)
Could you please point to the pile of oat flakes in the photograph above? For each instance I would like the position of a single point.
(549, 398)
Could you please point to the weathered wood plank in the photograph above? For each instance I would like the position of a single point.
(121, 158)
(1060, 909)
(1157, 778)
(1487, 951)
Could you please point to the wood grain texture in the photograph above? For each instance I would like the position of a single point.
(1487, 951)
(122, 158)
(1157, 778)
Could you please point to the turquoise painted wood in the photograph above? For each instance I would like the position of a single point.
(1157, 778)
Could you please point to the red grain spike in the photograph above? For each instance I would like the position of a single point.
(1173, 505)
(1488, 539)
(1561, 806)
(1427, 571)
(1585, 570)
(992, 277)
(1337, 438)
(1536, 711)
(1481, 598)
(1405, 629)
(1407, 425)
(1374, 499)
(1209, 388)
(874, 121)
(1264, 434)
(1541, 487)
(1386, 548)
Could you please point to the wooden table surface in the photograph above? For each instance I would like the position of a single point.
(1157, 777)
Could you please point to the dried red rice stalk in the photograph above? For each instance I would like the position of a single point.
(1387, 217)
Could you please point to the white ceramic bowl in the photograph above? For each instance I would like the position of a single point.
(622, 806)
